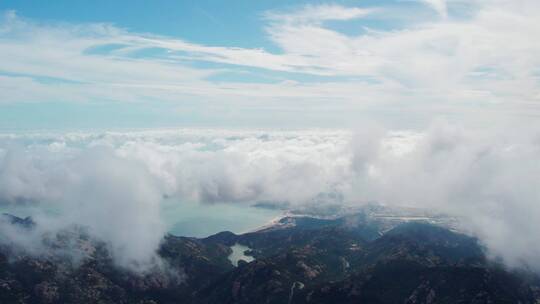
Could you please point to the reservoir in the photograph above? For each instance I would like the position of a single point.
(238, 253)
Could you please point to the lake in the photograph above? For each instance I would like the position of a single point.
(238, 253)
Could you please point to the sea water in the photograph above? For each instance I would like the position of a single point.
(186, 218)
(201, 220)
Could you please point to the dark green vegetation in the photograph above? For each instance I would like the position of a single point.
(352, 259)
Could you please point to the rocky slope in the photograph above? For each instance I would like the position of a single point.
(350, 259)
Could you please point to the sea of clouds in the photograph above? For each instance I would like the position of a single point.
(114, 183)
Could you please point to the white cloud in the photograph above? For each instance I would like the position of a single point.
(437, 57)
(116, 199)
(484, 177)
(318, 13)
(430, 66)
(439, 6)
(114, 182)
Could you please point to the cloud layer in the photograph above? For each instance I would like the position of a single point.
(114, 183)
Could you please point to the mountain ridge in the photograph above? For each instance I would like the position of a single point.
(301, 260)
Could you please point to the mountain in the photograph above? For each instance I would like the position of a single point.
(27, 222)
(349, 259)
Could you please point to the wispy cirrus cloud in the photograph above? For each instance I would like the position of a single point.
(318, 13)
(446, 65)
(439, 6)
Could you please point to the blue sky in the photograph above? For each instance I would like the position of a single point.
(228, 23)
(136, 64)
